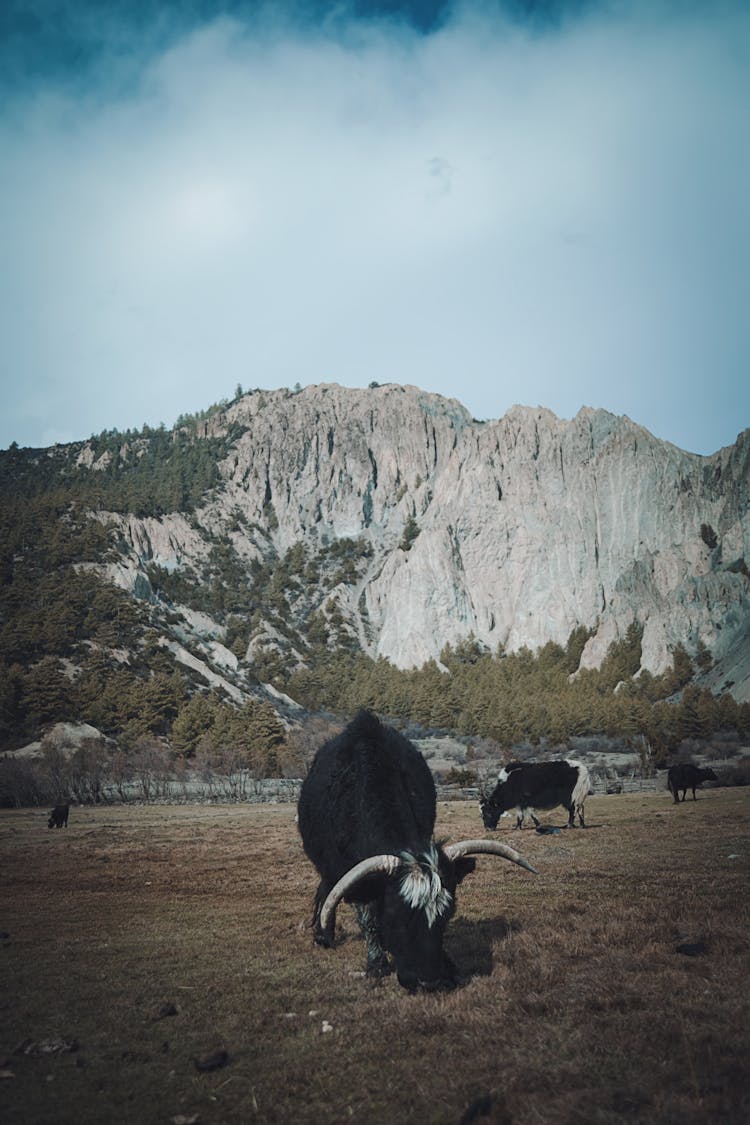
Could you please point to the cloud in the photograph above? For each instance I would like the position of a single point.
(495, 211)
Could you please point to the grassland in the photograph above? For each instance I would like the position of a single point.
(141, 939)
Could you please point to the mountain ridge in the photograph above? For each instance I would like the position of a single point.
(527, 526)
(388, 520)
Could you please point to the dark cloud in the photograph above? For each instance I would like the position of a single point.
(69, 40)
(543, 204)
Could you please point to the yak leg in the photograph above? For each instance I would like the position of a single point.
(694, 796)
(377, 962)
(533, 816)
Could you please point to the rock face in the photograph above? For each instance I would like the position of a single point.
(515, 531)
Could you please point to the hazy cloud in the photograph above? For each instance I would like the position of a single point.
(498, 211)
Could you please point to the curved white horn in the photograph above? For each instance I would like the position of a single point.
(487, 847)
(387, 863)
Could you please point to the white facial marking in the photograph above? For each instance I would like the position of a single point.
(422, 888)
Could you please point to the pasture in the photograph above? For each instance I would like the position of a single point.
(143, 938)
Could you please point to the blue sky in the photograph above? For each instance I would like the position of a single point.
(544, 203)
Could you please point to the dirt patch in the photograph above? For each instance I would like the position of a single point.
(163, 949)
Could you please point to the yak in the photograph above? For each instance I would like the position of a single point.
(538, 785)
(687, 776)
(58, 818)
(366, 815)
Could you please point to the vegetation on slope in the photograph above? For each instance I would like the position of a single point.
(521, 696)
(145, 472)
(73, 647)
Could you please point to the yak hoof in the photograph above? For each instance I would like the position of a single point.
(380, 968)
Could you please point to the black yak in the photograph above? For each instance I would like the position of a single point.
(687, 776)
(58, 818)
(366, 816)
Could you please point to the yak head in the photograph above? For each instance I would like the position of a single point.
(498, 801)
(494, 806)
(413, 903)
(418, 901)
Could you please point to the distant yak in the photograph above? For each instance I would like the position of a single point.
(538, 785)
(687, 776)
(58, 818)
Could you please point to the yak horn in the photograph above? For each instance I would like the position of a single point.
(387, 863)
(487, 847)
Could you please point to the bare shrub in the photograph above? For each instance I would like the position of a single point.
(736, 774)
(522, 752)
(457, 775)
(646, 754)
(53, 769)
(303, 743)
(88, 771)
(151, 766)
(481, 749)
(230, 770)
(689, 749)
(22, 783)
(121, 773)
(726, 745)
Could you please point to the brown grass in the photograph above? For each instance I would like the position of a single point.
(578, 1007)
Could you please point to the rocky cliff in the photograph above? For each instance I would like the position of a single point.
(515, 531)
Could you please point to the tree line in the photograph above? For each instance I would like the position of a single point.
(524, 696)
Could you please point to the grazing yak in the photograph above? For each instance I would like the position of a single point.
(58, 818)
(366, 816)
(687, 776)
(537, 785)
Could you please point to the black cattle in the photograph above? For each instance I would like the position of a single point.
(366, 815)
(687, 776)
(538, 785)
(58, 818)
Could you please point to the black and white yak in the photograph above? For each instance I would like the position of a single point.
(527, 786)
(687, 776)
(366, 815)
(58, 818)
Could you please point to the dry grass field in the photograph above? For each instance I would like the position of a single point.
(141, 939)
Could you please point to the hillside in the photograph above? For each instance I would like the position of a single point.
(244, 552)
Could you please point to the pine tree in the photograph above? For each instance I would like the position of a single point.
(46, 694)
(193, 721)
(162, 697)
(10, 693)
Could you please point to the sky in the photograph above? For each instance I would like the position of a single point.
(543, 202)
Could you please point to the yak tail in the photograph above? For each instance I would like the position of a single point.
(582, 787)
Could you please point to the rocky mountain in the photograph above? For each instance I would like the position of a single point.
(391, 520)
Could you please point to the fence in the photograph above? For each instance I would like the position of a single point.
(626, 785)
(241, 786)
(599, 786)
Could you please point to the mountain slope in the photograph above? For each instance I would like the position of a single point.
(516, 531)
(173, 585)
